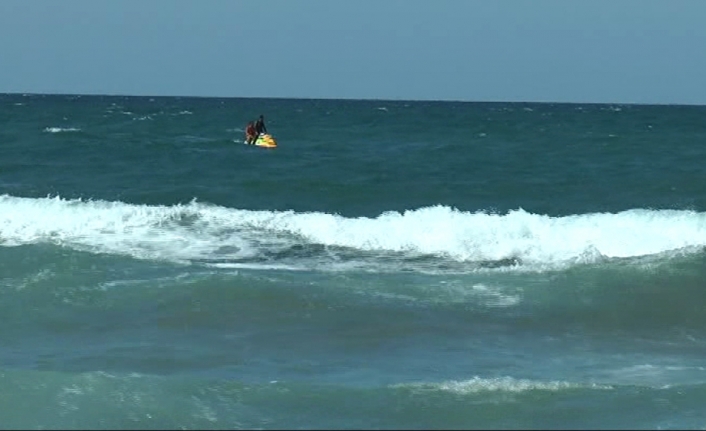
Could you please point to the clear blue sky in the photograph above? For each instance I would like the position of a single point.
(612, 51)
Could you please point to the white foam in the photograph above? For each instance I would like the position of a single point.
(499, 384)
(61, 129)
(529, 237)
(200, 232)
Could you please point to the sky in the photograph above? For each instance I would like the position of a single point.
(580, 51)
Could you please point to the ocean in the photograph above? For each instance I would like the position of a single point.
(390, 265)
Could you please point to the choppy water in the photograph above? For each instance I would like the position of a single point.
(389, 265)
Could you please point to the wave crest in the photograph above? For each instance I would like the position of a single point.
(438, 236)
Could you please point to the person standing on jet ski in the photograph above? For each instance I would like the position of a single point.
(260, 127)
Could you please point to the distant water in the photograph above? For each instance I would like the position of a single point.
(389, 265)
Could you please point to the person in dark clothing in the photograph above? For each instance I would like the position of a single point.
(260, 127)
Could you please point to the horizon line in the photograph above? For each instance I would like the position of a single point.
(548, 102)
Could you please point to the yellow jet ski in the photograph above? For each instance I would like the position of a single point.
(265, 140)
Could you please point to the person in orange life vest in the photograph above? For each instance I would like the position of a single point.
(250, 133)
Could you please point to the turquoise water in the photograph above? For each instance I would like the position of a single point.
(390, 265)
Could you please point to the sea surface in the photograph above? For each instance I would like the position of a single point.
(390, 264)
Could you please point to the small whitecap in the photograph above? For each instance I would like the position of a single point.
(61, 129)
